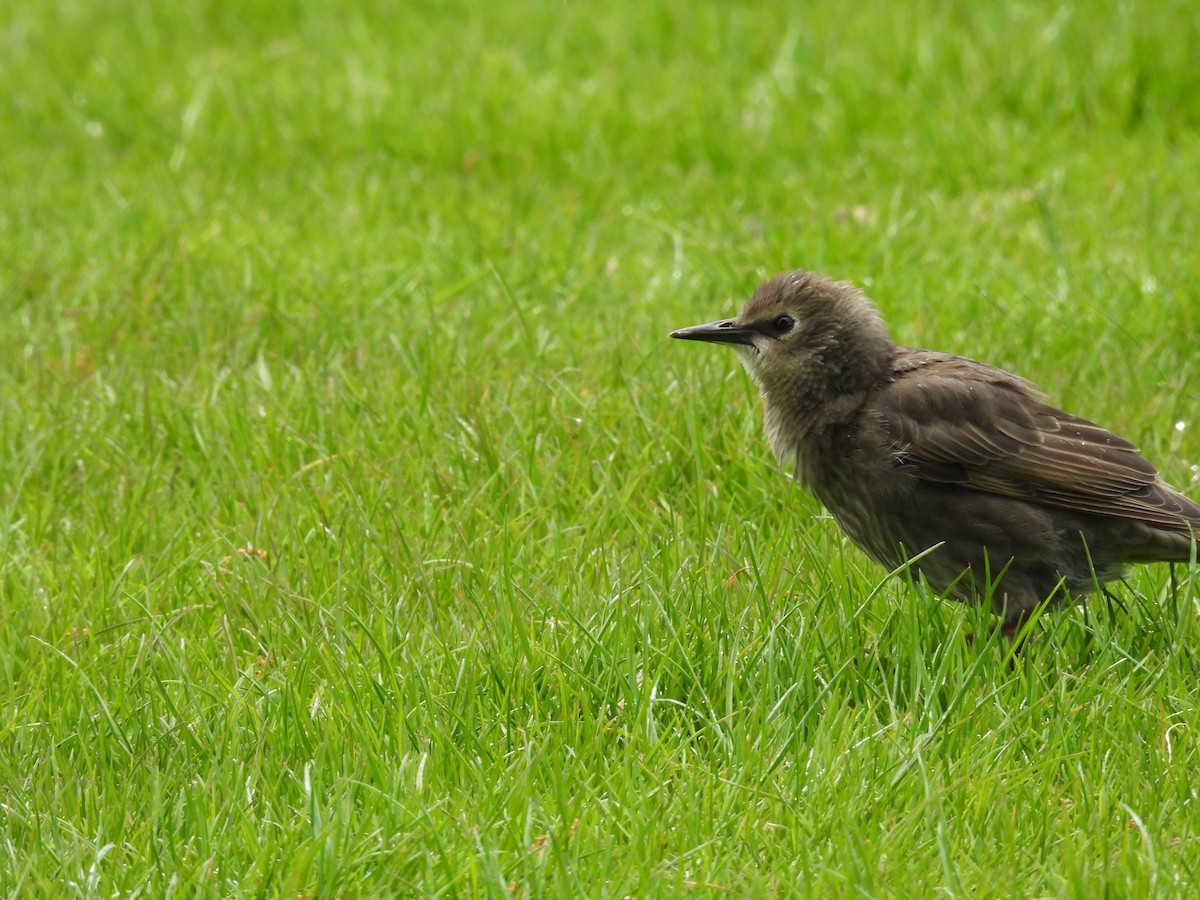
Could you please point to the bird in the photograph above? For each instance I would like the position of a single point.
(955, 470)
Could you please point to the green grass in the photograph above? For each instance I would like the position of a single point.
(361, 534)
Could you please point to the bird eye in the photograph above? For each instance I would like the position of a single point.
(784, 324)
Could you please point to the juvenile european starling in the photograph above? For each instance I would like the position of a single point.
(914, 449)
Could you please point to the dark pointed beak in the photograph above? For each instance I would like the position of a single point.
(727, 331)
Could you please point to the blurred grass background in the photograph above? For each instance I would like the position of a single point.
(361, 534)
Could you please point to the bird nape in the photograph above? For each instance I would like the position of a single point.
(915, 449)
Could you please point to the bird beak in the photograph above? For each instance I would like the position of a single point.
(727, 331)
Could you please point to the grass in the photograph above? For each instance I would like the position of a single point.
(361, 534)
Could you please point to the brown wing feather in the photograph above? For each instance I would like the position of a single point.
(956, 420)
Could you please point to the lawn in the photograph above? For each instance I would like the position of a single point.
(362, 534)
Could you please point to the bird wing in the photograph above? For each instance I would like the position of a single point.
(953, 420)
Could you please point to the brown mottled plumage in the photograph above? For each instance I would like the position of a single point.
(911, 449)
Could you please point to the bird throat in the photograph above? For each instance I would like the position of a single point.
(797, 420)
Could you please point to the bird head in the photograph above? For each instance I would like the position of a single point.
(804, 335)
